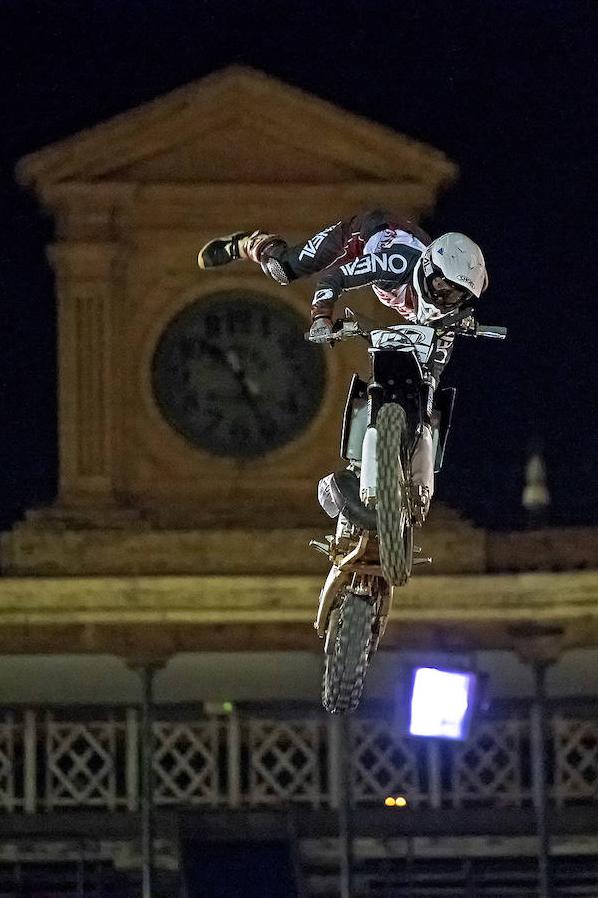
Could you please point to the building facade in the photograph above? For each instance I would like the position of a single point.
(171, 579)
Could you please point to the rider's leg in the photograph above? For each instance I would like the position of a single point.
(278, 260)
(422, 473)
(240, 245)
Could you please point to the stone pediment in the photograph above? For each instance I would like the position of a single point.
(242, 126)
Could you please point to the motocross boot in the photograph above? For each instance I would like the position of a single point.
(240, 245)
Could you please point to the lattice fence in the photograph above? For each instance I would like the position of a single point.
(7, 763)
(50, 762)
(487, 769)
(81, 763)
(576, 759)
(186, 762)
(284, 761)
(384, 763)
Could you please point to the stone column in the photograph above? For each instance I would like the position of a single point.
(86, 284)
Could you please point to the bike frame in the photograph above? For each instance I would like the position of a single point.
(396, 376)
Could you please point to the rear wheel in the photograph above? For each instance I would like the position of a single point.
(347, 663)
(395, 534)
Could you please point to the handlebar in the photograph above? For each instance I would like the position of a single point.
(351, 327)
(490, 330)
(341, 329)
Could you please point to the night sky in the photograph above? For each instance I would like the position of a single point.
(506, 89)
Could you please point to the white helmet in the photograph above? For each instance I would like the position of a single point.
(450, 272)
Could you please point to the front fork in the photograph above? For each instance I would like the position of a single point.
(422, 456)
(369, 457)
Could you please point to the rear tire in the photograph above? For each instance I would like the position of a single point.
(395, 534)
(345, 669)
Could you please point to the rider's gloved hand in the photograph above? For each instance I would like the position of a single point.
(320, 330)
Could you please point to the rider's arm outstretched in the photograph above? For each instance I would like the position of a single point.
(376, 247)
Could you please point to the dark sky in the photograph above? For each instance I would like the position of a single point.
(506, 89)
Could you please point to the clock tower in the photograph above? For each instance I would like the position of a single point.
(189, 400)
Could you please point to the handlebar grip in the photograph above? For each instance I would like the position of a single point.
(491, 330)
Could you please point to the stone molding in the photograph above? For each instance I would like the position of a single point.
(158, 616)
(234, 97)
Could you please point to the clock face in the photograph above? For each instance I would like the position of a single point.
(233, 374)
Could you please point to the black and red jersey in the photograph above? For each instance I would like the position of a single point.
(376, 249)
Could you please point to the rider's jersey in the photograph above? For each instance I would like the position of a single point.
(376, 249)
(386, 262)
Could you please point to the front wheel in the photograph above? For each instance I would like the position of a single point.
(347, 662)
(395, 534)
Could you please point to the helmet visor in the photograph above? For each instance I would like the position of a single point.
(447, 295)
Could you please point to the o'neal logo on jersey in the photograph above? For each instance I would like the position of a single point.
(311, 247)
(375, 262)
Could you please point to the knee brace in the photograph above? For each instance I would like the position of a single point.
(274, 269)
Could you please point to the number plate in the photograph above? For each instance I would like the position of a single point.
(406, 338)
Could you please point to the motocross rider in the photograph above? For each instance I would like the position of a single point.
(422, 279)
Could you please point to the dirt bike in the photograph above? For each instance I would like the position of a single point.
(372, 550)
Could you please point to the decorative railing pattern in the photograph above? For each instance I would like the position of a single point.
(284, 761)
(384, 764)
(8, 773)
(62, 759)
(488, 767)
(81, 763)
(575, 745)
(186, 761)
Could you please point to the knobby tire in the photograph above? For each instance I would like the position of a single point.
(345, 669)
(394, 524)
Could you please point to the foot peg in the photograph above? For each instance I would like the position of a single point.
(420, 503)
(321, 546)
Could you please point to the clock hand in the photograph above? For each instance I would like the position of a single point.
(232, 357)
(251, 390)
(250, 386)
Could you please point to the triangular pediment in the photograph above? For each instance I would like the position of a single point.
(237, 125)
(227, 154)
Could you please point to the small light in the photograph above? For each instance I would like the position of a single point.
(214, 709)
(390, 802)
(400, 801)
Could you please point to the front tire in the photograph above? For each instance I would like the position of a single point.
(346, 666)
(395, 534)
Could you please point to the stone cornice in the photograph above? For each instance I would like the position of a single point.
(187, 113)
(289, 207)
(214, 599)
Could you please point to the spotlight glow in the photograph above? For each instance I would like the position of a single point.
(440, 702)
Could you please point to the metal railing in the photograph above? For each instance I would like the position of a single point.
(53, 759)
